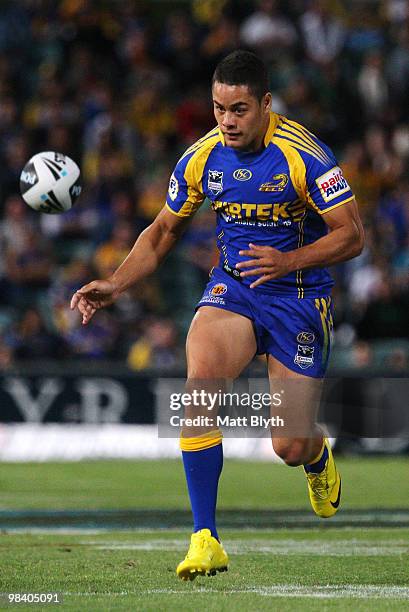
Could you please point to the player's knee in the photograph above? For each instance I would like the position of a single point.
(292, 451)
(200, 374)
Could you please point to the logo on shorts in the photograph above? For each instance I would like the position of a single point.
(332, 184)
(215, 182)
(304, 356)
(173, 187)
(219, 289)
(278, 183)
(305, 337)
(242, 174)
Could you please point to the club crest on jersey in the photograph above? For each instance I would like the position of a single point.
(173, 187)
(304, 357)
(278, 183)
(305, 337)
(215, 182)
(219, 289)
(242, 174)
(332, 184)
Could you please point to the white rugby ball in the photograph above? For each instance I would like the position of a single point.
(50, 182)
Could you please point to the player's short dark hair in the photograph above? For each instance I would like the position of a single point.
(243, 68)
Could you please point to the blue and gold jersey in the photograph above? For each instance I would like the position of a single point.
(275, 197)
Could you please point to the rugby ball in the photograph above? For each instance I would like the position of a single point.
(50, 182)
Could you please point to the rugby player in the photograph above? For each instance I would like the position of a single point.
(284, 213)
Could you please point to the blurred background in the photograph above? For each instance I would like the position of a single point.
(123, 88)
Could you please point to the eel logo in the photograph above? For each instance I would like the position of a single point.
(242, 174)
(278, 183)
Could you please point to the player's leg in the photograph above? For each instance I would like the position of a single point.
(220, 344)
(301, 440)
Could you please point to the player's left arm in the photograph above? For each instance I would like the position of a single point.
(344, 241)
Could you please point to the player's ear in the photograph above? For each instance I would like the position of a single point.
(266, 102)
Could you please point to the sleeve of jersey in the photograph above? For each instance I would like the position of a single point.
(327, 186)
(184, 194)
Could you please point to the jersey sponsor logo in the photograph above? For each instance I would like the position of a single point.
(215, 182)
(332, 184)
(274, 212)
(219, 289)
(304, 357)
(173, 187)
(305, 337)
(278, 183)
(242, 174)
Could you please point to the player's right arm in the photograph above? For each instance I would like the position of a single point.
(149, 250)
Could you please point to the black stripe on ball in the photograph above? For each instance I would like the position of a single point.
(51, 169)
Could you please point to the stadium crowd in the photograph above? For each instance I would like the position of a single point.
(123, 88)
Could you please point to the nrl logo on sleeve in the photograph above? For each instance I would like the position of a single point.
(215, 182)
(173, 187)
(332, 184)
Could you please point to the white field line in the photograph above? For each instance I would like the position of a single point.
(360, 591)
(341, 548)
(344, 591)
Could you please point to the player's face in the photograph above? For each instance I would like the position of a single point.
(242, 118)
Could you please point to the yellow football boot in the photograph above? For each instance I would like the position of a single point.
(205, 556)
(325, 488)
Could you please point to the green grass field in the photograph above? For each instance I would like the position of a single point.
(108, 535)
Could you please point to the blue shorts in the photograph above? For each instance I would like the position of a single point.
(297, 332)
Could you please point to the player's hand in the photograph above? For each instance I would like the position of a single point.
(92, 297)
(266, 262)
